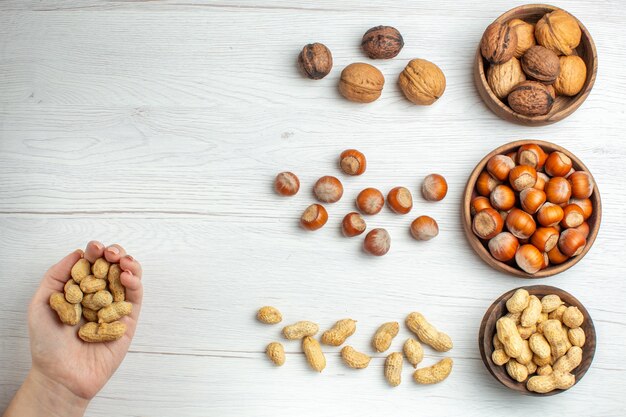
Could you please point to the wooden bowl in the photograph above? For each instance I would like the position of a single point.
(563, 106)
(480, 247)
(498, 309)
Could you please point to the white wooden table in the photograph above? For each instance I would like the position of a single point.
(161, 124)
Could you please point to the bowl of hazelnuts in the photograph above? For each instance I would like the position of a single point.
(531, 209)
(535, 65)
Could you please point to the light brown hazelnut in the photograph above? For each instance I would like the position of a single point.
(422, 82)
(572, 77)
(525, 36)
(498, 43)
(382, 42)
(315, 61)
(558, 31)
(503, 77)
(531, 98)
(541, 64)
(361, 82)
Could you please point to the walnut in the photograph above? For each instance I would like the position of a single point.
(422, 82)
(552, 91)
(558, 31)
(502, 78)
(541, 64)
(315, 61)
(572, 77)
(531, 98)
(361, 82)
(382, 42)
(525, 36)
(498, 43)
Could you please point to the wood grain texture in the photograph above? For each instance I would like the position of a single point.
(161, 125)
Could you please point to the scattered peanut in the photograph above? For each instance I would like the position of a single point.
(527, 354)
(539, 345)
(269, 315)
(354, 359)
(435, 373)
(384, 335)
(544, 370)
(103, 332)
(393, 369)
(413, 351)
(526, 332)
(553, 332)
(427, 333)
(557, 314)
(313, 352)
(300, 329)
(532, 367)
(90, 315)
(276, 353)
(338, 334)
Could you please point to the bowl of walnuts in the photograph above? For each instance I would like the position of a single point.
(531, 209)
(535, 65)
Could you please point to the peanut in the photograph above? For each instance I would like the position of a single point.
(276, 353)
(557, 314)
(115, 285)
(103, 332)
(435, 373)
(499, 357)
(553, 332)
(544, 370)
(384, 335)
(510, 338)
(90, 315)
(516, 370)
(518, 301)
(300, 329)
(570, 361)
(354, 359)
(531, 314)
(97, 300)
(114, 312)
(80, 270)
(539, 345)
(572, 317)
(497, 344)
(338, 334)
(546, 383)
(100, 268)
(269, 315)
(543, 361)
(526, 332)
(527, 354)
(91, 284)
(313, 352)
(73, 294)
(532, 367)
(576, 336)
(542, 317)
(413, 351)
(68, 313)
(427, 333)
(516, 317)
(551, 302)
(393, 369)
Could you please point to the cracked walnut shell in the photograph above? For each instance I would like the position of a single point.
(360, 82)
(572, 78)
(504, 77)
(531, 98)
(422, 82)
(498, 43)
(558, 31)
(525, 36)
(542, 64)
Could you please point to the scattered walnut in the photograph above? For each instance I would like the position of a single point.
(502, 78)
(541, 64)
(361, 82)
(572, 77)
(315, 61)
(558, 31)
(382, 42)
(525, 36)
(498, 43)
(422, 82)
(531, 98)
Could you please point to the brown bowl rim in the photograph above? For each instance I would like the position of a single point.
(504, 111)
(484, 343)
(477, 244)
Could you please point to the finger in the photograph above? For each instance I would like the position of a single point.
(128, 263)
(134, 291)
(56, 277)
(113, 253)
(94, 251)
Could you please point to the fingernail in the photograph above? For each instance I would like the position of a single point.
(79, 251)
(113, 250)
(98, 245)
(130, 257)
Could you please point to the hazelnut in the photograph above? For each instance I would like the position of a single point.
(479, 203)
(499, 166)
(529, 259)
(352, 162)
(582, 184)
(558, 190)
(377, 242)
(370, 201)
(520, 224)
(530, 98)
(502, 198)
(424, 228)
(361, 82)
(503, 247)
(315, 61)
(522, 177)
(487, 223)
(434, 187)
(314, 217)
(400, 200)
(572, 242)
(328, 189)
(558, 31)
(382, 42)
(525, 36)
(286, 184)
(485, 184)
(498, 43)
(503, 77)
(572, 77)
(353, 224)
(532, 155)
(541, 64)
(545, 238)
(422, 82)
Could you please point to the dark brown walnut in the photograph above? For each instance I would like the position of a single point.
(315, 61)
(382, 42)
(498, 43)
(541, 64)
(531, 98)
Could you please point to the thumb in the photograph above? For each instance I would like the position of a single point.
(58, 274)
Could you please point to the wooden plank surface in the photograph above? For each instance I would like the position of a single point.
(160, 125)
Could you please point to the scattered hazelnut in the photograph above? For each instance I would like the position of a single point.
(487, 223)
(572, 78)
(377, 242)
(422, 82)
(558, 31)
(424, 228)
(581, 184)
(314, 217)
(434, 187)
(529, 259)
(352, 162)
(400, 200)
(498, 43)
(286, 184)
(503, 246)
(328, 189)
(558, 190)
(530, 98)
(360, 82)
(525, 35)
(315, 61)
(370, 201)
(542, 64)
(382, 42)
(502, 78)
(353, 224)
